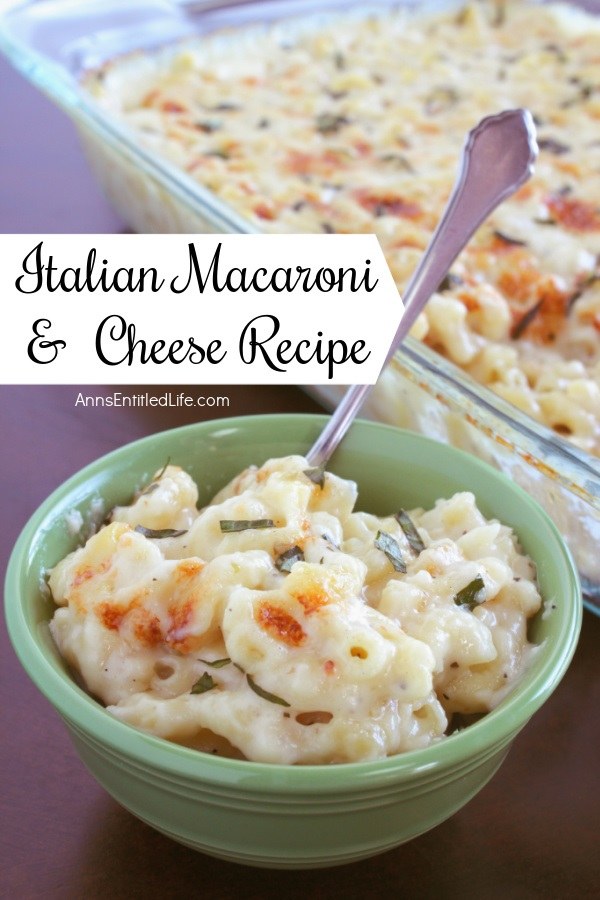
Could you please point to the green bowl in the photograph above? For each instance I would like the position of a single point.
(274, 815)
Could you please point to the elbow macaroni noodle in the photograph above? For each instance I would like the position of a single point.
(299, 641)
(356, 126)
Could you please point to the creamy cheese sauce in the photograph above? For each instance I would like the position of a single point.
(278, 625)
(357, 125)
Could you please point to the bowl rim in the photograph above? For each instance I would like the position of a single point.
(85, 714)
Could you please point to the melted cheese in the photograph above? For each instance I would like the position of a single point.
(301, 641)
(355, 124)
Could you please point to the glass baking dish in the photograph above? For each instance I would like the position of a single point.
(55, 42)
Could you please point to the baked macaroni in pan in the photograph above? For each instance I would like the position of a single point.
(357, 126)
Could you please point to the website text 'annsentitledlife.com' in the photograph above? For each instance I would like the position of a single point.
(167, 399)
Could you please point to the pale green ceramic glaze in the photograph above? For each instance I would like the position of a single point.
(275, 815)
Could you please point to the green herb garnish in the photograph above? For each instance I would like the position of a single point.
(159, 532)
(507, 239)
(584, 93)
(231, 525)
(499, 14)
(553, 146)
(227, 106)
(450, 281)
(440, 99)
(216, 663)
(329, 123)
(316, 475)
(286, 560)
(525, 320)
(389, 545)
(205, 683)
(467, 596)
(154, 483)
(148, 490)
(272, 698)
(595, 276)
(399, 159)
(208, 126)
(408, 527)
(163, 470)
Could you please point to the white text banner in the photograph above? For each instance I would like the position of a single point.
(196, 309)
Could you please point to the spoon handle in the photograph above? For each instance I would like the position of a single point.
(497, 158)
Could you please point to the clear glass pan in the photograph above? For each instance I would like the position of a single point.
(54, 42)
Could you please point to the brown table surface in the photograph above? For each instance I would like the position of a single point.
(532, 832)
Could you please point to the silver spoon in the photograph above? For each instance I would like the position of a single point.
(497, 158)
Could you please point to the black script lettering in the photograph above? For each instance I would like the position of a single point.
(41, 343)
(74, 279)
(249, 335)
(115, 334)
(281, 279)
(38, 271)
(284, 353)
(194, 271)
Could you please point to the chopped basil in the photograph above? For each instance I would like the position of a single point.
(216, 663)
(467, 596)
(163, 470)
(595, 276)
(507, 239)
(154, 483)
(218, 153)
(148, 490)
(286, 560)
(205, 683)
(499, 16)
(329, 123)
(231, 525)
(584, 93)
(450, 281)
(159, 532)
(408, 527)
(208, 126)
(440, 99)
(316, 475)
(398, 159)
(389, 545)
(272, 698)
(553, 146)
(526, 320)
(557, 51)
(330, 541)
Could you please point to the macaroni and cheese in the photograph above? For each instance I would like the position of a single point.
(355, 124)
(278, 625)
